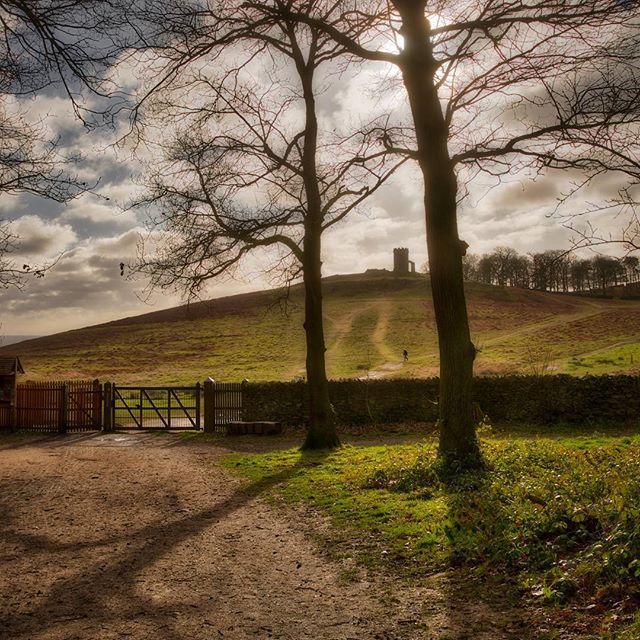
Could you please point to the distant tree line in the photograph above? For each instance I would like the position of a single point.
(551, 270)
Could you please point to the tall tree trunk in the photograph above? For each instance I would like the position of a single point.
(458, 439)
(321, 433)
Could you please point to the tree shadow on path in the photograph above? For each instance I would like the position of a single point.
(109, 582)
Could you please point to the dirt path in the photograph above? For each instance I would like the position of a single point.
(140, 536)
(391, 365)
(390, 362)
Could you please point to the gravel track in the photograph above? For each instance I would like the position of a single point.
(140, 536)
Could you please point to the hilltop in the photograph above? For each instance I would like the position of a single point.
(370, 319)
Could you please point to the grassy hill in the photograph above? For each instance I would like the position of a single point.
(369, 321)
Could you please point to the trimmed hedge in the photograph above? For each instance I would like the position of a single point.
(527, 399)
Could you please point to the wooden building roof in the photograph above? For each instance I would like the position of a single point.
(10, 365)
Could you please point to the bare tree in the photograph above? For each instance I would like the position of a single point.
(470, 267)
(64, 46)
(607, 272)
(631, 266)
(487, 269)
(503, 266)
(498, 86)
(250, 166)
(505, 258)
(551, 270)
(581, 272)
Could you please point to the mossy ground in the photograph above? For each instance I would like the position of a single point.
(556, 518)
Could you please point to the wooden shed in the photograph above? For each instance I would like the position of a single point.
(10, 367)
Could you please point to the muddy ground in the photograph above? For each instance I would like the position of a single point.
(142, 536)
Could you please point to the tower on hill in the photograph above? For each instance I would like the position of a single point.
(402, 266)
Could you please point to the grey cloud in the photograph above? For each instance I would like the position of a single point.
(402, 200)
(40, 237)
(329, 103)
(94, 218)
(28, 204)
(530, 193)
(361, 243)
(84, 287)
(525, 230)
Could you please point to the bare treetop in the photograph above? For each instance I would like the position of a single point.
(69, 43)
(233, 118)
(521, 84)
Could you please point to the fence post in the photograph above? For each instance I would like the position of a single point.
(209, 405)
(96, 405)
(64, 404)
(198, 388)
(107, 407)
(243, 388)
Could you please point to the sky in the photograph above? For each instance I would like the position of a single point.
(87, 239)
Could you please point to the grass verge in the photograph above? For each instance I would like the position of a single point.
(557, 518)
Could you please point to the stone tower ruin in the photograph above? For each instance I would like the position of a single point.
(402, 266)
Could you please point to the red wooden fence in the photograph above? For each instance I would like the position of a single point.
(5, 417)
(56, 406)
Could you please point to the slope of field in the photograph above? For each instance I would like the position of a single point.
(369, 320)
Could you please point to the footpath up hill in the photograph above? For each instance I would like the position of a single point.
(369, 320)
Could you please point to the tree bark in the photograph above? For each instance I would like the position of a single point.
(458, 439)
(321, 432)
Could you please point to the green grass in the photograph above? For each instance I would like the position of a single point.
(621, 359)
(368, 323)
(560, 518)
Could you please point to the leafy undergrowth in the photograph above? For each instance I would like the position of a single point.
(559, 518)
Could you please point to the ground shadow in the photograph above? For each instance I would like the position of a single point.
(479, 591)
(140, 549)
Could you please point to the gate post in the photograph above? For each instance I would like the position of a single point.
(96, 405)
(62, 409)
(198, 400)
(107, 407)
(243, 388)
(209, 405)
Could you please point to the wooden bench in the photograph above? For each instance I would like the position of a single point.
(256, 428)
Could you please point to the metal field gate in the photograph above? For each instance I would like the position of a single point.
(156, 407)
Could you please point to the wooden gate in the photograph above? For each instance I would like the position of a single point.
(156, 407)
(59, 406)
(227, 403)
